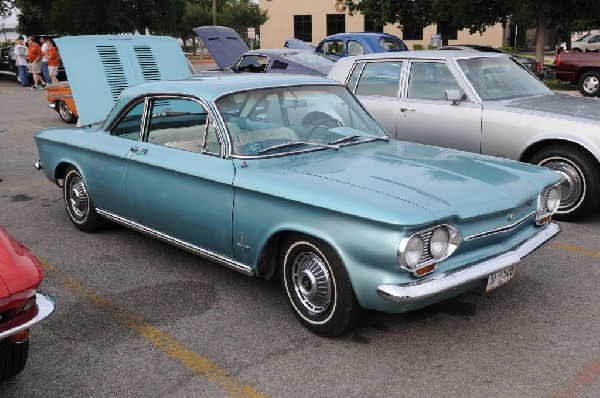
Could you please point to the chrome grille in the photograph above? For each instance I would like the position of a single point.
(426, 255)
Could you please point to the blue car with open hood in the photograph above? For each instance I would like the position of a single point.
(288, 176)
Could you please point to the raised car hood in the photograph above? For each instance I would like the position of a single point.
(298, 45)
(564, 106)
(444, 182)
(223, 44)
(100, 67)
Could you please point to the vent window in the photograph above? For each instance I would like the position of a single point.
(113, 69)
(147, 63)
(279, 65)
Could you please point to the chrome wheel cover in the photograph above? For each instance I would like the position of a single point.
(572, 184)
(590, 84)
(77, 199)
(65, 112)
(312, 282)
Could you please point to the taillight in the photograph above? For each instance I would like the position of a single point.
(539, 67)
(558, 59)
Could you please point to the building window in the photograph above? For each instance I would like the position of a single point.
(336, 23)
(303, 27)
(412, 33)
(452, 32)
(370, 26)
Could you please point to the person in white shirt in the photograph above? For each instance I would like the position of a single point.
(20, 57)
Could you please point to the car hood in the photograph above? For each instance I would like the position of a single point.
(19, 269)
(100, 67)
(298, 45)
(554, 105)
(446, 183)
(223, 44)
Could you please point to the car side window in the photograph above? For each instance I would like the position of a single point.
(333, 47)
(595, 39)
(430, 80)
(353, 80)
(129, 126)
(380, 79)
(354, 48)
(180, 123)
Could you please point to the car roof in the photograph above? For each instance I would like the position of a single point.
(210, 87)
(429, 54)
(359, 34)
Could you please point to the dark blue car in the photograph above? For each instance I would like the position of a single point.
(353, 43)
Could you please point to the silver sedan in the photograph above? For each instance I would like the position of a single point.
(484, 103)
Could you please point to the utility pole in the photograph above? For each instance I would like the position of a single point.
(215, 12)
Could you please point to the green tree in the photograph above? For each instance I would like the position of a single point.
(475, 15)
(5, 8)
(31, 16)
(78, 17)
(241, 15)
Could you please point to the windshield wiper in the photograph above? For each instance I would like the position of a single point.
(297, 143)
(352, 137)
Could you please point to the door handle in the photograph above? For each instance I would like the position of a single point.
(135, 149)
(407, 110)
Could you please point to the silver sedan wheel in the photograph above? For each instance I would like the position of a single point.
(572, 185)
(312, 282)
(65, 113)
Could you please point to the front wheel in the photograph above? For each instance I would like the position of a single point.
(317, 286)
(580, 185)
(79, 206)
(589, 84)
(13, 358)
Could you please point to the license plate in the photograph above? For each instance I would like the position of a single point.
(500, 278)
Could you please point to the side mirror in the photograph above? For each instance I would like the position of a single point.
(454, 96)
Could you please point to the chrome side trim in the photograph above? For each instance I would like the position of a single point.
(500, 230)
(60, 96)
(45, 306)
(227, 262)
(444, 281)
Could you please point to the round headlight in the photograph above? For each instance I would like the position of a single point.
(439, 242)
(413, 251)
(553, 199)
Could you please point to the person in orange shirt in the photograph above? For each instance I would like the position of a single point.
(34, 56)
(52, 57)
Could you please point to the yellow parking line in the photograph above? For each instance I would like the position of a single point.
(191, 360)
(574, 248)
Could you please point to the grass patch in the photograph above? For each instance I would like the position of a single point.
(555, 84)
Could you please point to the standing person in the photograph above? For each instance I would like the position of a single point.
(20, 56)
(44, 41)
(52, 56)
(34, 56)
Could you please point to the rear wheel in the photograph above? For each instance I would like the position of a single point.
(65, 113)
(317, 286)
(79, 206)
(13, 357)
(589, 84)
(580, 186)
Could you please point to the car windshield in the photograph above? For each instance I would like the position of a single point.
(585, 37)
(283, 119)
(500, 78)
(391, 44)
(312, 60)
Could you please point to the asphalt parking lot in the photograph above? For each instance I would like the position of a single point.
(139, 318)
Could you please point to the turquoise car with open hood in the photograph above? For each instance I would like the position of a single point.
(288, 176)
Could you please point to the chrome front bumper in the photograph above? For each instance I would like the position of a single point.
(445, 281)
(45, 306)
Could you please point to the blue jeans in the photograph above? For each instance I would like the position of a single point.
(45, 72)
(24, 75)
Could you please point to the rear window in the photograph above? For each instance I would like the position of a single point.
(391, 44)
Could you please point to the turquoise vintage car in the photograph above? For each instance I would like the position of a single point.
(289, 177)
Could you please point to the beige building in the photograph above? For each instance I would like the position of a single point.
(312, 20)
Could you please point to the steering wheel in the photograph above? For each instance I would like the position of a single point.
(322, 121)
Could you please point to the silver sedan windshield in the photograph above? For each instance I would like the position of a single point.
(284, 119)
(500, 78)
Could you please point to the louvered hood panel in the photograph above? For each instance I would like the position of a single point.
(100, 67)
